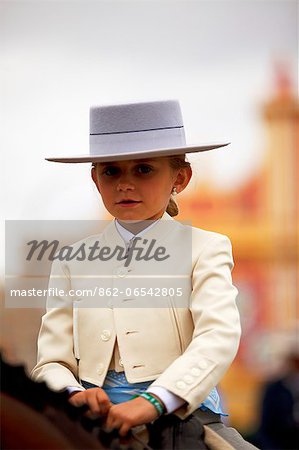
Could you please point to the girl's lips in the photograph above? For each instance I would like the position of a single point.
(128, 203)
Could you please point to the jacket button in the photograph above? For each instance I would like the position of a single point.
(105, 335)
(195, 371)
(188, 379)
(120, 362)
(100, 369)
(180, 384)
(203, 364)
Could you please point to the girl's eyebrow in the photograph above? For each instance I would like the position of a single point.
(107, 163)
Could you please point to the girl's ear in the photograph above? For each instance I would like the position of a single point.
(183, 177)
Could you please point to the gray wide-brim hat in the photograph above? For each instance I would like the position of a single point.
(135, 131)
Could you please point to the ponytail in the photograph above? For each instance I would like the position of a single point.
(172, 208)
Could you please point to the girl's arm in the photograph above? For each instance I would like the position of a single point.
(56, 362)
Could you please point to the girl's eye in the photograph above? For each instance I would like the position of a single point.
(144, 168)
(110, 171)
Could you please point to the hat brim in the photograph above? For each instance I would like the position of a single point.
(154, 153)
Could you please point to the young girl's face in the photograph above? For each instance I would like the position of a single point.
(138, 189)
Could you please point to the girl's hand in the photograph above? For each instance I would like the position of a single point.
(129, 414)
(96, 399)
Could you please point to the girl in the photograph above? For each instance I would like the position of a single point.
(163, 327)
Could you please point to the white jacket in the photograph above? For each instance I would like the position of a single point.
(183, 342)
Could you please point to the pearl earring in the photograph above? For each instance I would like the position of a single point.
(174, 191)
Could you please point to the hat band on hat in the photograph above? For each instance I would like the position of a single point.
(127, 142)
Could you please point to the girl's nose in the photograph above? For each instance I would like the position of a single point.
(125, 184)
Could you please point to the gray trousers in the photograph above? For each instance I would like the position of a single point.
(199, 431)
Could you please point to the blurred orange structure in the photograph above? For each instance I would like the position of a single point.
(261, 220)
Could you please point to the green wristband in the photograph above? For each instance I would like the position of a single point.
(153, 401)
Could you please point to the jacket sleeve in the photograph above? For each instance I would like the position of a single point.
(216, 332)
(56, 361)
